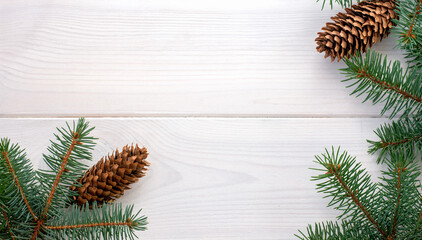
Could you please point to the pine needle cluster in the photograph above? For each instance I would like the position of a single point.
(39, 204)
(342, 3)
(409, 30)
(390, 208)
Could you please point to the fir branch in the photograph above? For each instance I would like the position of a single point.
(65, 161)
(7, 223)
(390, 207)
(19, 192)
(40, 224)
(328, 230)
(403, 134)
(400, 196)
(108, 221)
(4, 221)
(31, 210)
(332, 231)
(342, 3)
(417, 229)
(75, 141)
(350, 188)
(127, 223)
(16, 181)
(384, 81)
(409, 30)
(399, 170)
(72, 146)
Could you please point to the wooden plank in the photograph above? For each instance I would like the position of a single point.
(169, 58)
(214, 178)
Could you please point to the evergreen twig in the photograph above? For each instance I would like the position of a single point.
(409, 30)
(404, 135)
(387, 82)
(17, 183)
(38, 206)
(342, 3)
(330, 231)
(107, 220)
(7, 223)
(384, 210)
(354, 191)
(19, 198)
(392, 208)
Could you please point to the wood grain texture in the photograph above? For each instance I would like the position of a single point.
(211, 178)
(220, 178)
(169, 58)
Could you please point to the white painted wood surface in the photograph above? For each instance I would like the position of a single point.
(166, 58)
(230, 97)
(219, 178)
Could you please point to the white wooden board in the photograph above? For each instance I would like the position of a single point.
(230, 97)
(168, 58)
(220, 178)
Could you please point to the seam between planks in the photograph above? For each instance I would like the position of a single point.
(162, 115)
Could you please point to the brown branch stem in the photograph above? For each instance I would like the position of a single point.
(419, 221)
(88, 225)
(60, 173)
(418, 224)
(355, 199)
(7, 223)
(385, 144)
(399, 171)
(15, 179)
(412, 24)
(40, 222)
(385, 85)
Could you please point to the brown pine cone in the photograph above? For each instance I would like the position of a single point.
(356, 30)
(108, 179)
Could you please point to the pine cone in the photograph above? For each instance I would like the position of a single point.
(356, 30)
(108, 179)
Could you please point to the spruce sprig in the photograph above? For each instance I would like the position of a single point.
(349, 187)
(19, 197)
(385, 210)
(402, 135)
(37, 204)
(73, 145)
(332, 230)
(106, 220)
(342, 3)
(384, 81)
(399, 195)
(409, 30)
(392, 209)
